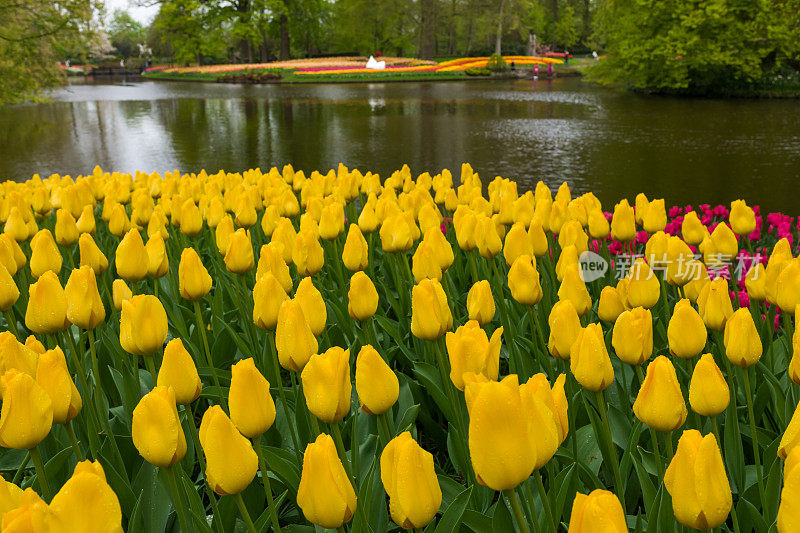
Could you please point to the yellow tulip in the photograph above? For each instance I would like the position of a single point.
(367, 221)
(573, 288)
(470, 350)
(517, 243)
(251, 405)
(143, 325)
(523, 280)
(708, 392)
(692, 229)
(714, 304)
(644, 289)
(10, 496)
(742, 218)
(610, 306)
(502, 437)
(44, 254)
(480, 302)
(696, 480)
(589, 361)
(91, 254)
(572, 234)
(268, 296)
(742, 342)
(86, 222)
(545, 418)
(430, 313)
(598, 512)
(271, 260)
(660, 403)
(190, 222)
(425, 263)
(8, 253)
(53, 376)
(437, 243)
(331, 222)
(157, 259)
(27, 413)
(32, 515)
(33, 344)
(396, 234)
(355, 254)
(222, 234)
(156, 428)
(246, 214)
(326, 384)
(655, 216)
(179, 372)
(693, 289)
(120, 292)
(194, 282)
(724, 242)
(325, 494)
(564, 328)
(623, 225)
(14, 354)
(632, 338)
(376, 384)
(756, 282)
(84, 306)
(487, 238)
(537, 237)
(231, 463)
(131, 257)
(86, 502)
(307, 253)
(686, 332)
(47, 305)
(9, 293)
(294, 339)
(16, 226)
(239, 254)
(313, 305)
(788, 286)
(66, 230)
(409, 479)
(788, 512)
(362, 297)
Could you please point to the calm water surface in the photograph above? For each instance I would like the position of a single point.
(613, 143)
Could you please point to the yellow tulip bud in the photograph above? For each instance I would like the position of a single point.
(223, 232)
(231, 463)
(686, 332)
(157, 259)
(33, 344)
(91, 255)
(538, 238)
(362, 297)
(190, 221)
(271, 260)
(756, 282)
(410, 481)
(66, 229)
(9, 293)
(589, 361)
(268, 296)
(86, 502)
(573, 288)
(10, 496)
(470, 350)
(567, 259)
(179, 372)
(708, 392)
(251, 406)
(633, 336)
(16, 226)
(14, 354)
(326, 384)
(742, 218)
(194, 282)
(27, 413)
(355, 254)
(502, 435)
(788, 512)
(599, 227)
(436, 242)
(294, 339)
(32, 515)
(396, 234)
(794, 365)
(119, 223)
(325, 494)
(47, 305)
(84, 306)
(598, 512)
(120, 292)
(724, 242)
(239, 254)
(487, 239)
(53, 376)
(623, 225)
(131, 257)
(572, 234)
(313, 305)
(742, 342)
(545, 418)
(697, 482)
(523, 280)
(8, 253)
(693, 289)
(610, 306)
(660, 403)
(692, 229)
(331, 222)
(376, 384)
(307, 254)
(269, 220)
(564, 328)
(44, 254)
(86, 222)
(714, 304)
(143, 325)
(246, 214)
(480, 302)
(655, 216)
(156, 428)
(517, 243)
(788, 286)
(644, 289)
(430, 313)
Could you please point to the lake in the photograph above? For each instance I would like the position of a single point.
(611, 142)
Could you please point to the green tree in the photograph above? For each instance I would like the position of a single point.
(126, 34)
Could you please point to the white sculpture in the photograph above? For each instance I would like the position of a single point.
(376, 65)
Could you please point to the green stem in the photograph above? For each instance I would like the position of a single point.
(516, 509)
(92, 423)
(754, 435)
(21, 470)
(12, 322)
(545, 501)
(670, 446)
(620, 488)
(209, 361)
(383, 429)
(267, 488)
(282, 394)
(201, 458)
(176, 499)
(537, 330)
(71, 434)
(36, 455)
(337, 439)
(354, 445)
(151, 366)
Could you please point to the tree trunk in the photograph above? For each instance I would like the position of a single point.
(427, 29)
(498, 43)
(285, 44)
(243, 8)
(470, 27)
